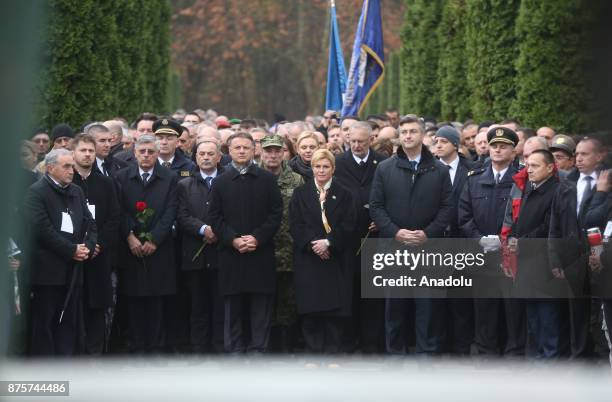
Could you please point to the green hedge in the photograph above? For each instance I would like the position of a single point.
(104, 59)
(454, 94)
(551, 69)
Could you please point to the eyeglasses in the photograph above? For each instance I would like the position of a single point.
(146, 151)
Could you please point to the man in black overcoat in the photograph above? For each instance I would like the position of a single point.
(101, 198)
(147, 253)
(200, 264)
(63, 236)
(354, 171)
(245, 212)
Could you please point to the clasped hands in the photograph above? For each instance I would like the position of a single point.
(245, 244)
(320, 248)
(139, 249)
(411, 237)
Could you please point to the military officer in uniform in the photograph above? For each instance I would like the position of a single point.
(481, 213)
(286, 310)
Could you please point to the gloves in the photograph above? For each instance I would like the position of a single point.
(490, 243)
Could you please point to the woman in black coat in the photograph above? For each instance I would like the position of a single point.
(321, 217)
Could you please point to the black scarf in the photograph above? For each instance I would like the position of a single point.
(300, 167)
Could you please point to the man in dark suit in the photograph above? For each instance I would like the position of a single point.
(411, 201)
(200, 264)
(459, 310)
(104, 163)
(354, 171)
(101, 198)
(568, 247)
(63, 234)
(245, 212)
(148, 259)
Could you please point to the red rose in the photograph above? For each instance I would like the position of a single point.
(141, 206)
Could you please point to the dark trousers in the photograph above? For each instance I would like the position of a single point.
(429, 325)
(260, 309)
(49, 336)
(322, 334)
(94, 320)
(491, 317)
(580, 321)
(460, 326)
(206, 311)
(146, 324)
(544, 321)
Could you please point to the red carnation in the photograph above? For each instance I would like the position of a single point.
(141, 206)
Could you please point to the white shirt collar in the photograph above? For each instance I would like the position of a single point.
(454, 164)
(358, 159)
(593, 175)
(140, 172)
(204, 175)
(502, 172)
(161, 161)
(56, 182)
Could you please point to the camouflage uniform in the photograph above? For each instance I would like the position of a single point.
(286, 309)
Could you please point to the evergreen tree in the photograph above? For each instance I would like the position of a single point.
(491, 51)
(551, 68)
(454, 95)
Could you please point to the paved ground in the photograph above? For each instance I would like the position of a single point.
(308, 379)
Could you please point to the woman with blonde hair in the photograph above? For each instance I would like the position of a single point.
(305, 146)
(321, 217)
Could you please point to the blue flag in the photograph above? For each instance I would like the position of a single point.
(336, 72)
(367, 67)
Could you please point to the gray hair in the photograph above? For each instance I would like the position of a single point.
(362, 126)
(541, 140)
(52, 157)
(217, 145)
(96, 128)
(146, 139)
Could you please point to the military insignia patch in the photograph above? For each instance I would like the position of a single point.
(499, 132)
(184, 173)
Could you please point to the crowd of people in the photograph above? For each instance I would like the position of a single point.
(195, 233)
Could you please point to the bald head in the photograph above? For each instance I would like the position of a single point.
(388, 133)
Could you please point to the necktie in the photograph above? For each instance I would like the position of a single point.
(208, 182)
(145, 177)
(497, 178)
(105, 168)
(413, 165)
(166, 164)
(586, 193)
(362, 163)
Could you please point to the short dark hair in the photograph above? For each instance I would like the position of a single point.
(411, 119)
(248, 123)
(240, 134)
(528, 132)
(549, 158)
(597, 143)
(145, 116)
(87, 138)
(510, 120)
(193, 113)
(350, 117)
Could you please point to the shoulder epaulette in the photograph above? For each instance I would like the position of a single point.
(476, 171)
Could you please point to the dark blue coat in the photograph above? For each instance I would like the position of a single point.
(483, 203)
(404, 199)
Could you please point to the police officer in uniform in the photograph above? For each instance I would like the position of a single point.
(481, 213)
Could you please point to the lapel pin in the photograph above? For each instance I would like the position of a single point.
(333, 197)
(375, 161)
